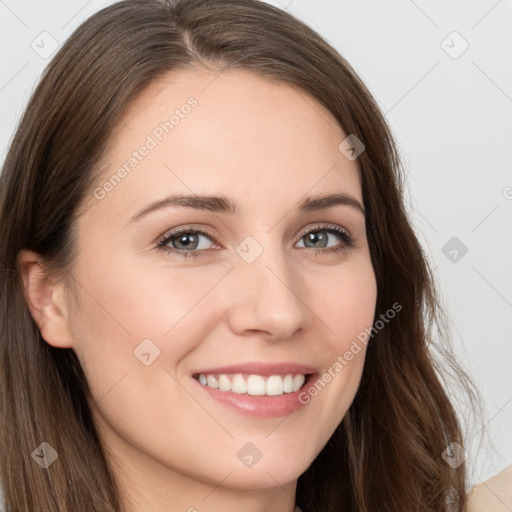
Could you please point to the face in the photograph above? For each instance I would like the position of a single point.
(202, 322)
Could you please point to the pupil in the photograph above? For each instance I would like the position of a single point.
(317, 237)
(187, 240)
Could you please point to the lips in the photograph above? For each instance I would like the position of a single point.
(256, 378)
(259, 368)
(257, 389)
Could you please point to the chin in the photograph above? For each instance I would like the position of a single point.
(264, 477)
(277, 468)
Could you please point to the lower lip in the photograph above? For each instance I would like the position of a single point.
(261, 406)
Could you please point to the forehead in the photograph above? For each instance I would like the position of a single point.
(231, 131)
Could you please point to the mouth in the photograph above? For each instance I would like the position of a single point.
(254, 384)
(258, 389)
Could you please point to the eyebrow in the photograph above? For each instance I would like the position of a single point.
(218, 204)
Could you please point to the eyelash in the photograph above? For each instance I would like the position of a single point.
(347, 240)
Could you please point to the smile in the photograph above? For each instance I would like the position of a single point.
(257, 388)
(252, 384)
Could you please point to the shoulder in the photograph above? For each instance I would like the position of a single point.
(493, 495)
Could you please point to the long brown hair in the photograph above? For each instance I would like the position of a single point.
(387, 452)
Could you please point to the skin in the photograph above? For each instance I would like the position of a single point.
(267, 146)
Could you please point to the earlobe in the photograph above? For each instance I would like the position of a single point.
(45, 300)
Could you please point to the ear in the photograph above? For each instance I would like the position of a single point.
(45, 300)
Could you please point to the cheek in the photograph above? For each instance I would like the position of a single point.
(150, 296)
(346, 308)
(344, 302)
(123, 304)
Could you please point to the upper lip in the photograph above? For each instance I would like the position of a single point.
(260, 368)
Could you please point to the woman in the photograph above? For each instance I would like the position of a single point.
(212, 295)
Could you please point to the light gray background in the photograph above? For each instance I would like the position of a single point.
(452, 118)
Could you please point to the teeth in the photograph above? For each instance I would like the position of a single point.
(288, 383)
(274, 386)
(212, 382)
(298, 380)
(256, 385)
(224, 383)
(239, 385)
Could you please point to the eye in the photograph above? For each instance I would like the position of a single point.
(186, 242)
(197, 242)
(320, 237)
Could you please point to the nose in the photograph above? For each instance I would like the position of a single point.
(268, 296)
